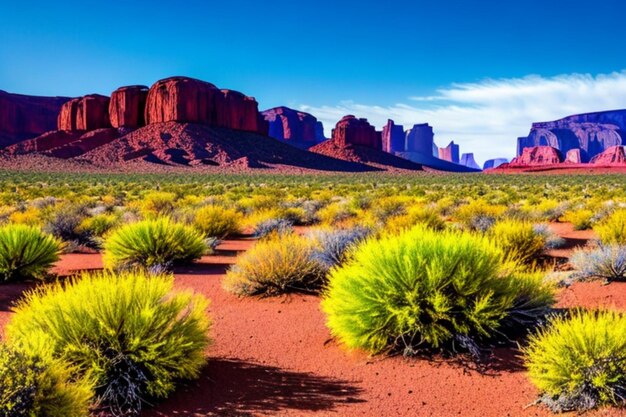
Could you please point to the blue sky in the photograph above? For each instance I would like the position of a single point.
(419, 61)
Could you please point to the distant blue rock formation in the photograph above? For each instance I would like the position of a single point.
(467, 159)
(494, 163)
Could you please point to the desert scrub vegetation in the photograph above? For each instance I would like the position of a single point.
(606, 262)
(414, 216)
(219, 222)
(579, 362)
(612, 229)
(26, 252)
(33, 384)
(582, 219)
(279, 264)
(520, 241)
(429, 290)
(333, 247)
(154, 244)
(130, 335)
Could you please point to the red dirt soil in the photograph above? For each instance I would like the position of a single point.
(275, 357)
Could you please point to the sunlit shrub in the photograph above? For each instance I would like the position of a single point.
(427, 289)
(157, 203)
(131, 335)
(159, 243)
(519, 240)
(477, 214)
(26, 252)
(612, 229)
(335, 213)
(33, 384)
(581, 219)
(276, 265)
(218, 221)
(98, 225)
(579, 362)
(414, 216)
(30, 216)
(272, 227)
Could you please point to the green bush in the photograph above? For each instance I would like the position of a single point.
(612, 229)
(219, 222)
(26, 252)
(159, 243)
(579, 362)
(278, 264)
(519, 240)
(131, 335)
(35, 385)
(428, 289)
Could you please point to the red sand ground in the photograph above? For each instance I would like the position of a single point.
(274, 357)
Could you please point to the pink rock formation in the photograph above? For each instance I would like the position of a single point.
(294, 127)
(538, 155)
(23, 117)
(450, 153)
(85, 113)
(573, 156)
(127, 106)
(352, 131)
(183, 99)
(393, 137)
(613, 155)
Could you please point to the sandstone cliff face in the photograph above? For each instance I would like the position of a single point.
(182, 99)
(23, 117)
(420, 139)
(85, 113)
(450, 153)
(494, 163)
(393, 137)
(294, 127)
(592, 133)
(539, 155)
(468, 160)
(352, 131)
(127, 106)
(613, 155)
(573, 156)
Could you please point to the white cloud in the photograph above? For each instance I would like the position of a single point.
(487, 117)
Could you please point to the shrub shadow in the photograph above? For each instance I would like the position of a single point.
(11, 292)
(229, 387)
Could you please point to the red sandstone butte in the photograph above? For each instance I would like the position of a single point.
(127, 106)
(613, 155)
(352, 131)
(90, 112)
(187, 100)
(538, 155)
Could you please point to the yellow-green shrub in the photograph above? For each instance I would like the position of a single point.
(33, 384)
(428, 289)
(579, 362)
(159, 243)
(519, 240)
(26, 252)
(470, 215)
(581, 219)
(98, 225)
(157, 203)
(612, 229)
(130, 334)
(275, 265)
(414, 216)
(216, 221)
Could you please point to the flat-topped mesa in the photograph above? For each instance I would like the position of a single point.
(294, 127)
(592, 133)
(89, 112)
(183, 99)
(468, 160)
(494, 163)
(450, 153)
(538, 155)
(420, 139)
(393, 137)
(611, 156)
(352, 131)
(127, 106)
